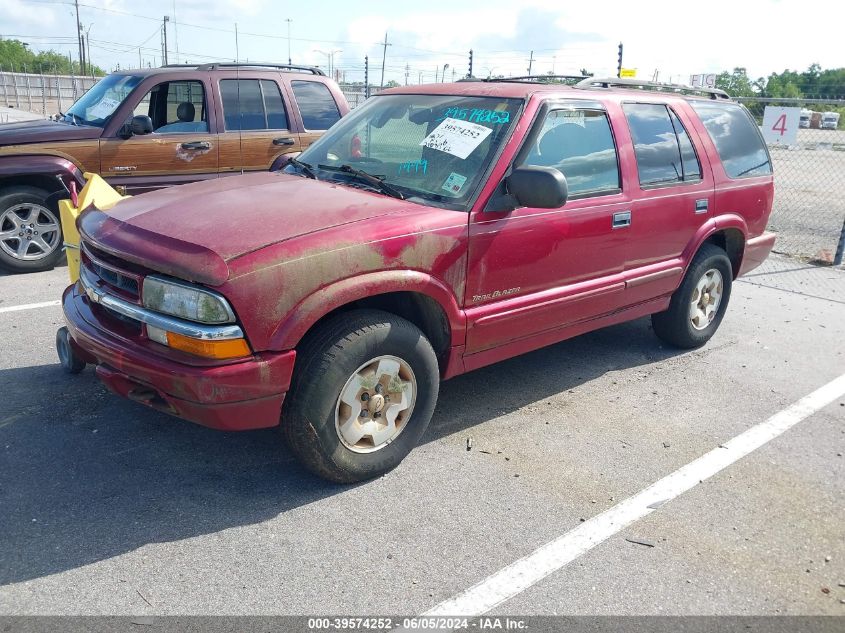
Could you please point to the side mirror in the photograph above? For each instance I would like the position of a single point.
(282, 161)
(138, 125)
(538, 187)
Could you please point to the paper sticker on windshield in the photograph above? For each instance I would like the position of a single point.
(458, 138)
(103, 109)
(454, 183)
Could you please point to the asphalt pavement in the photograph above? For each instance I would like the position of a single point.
(107, 507)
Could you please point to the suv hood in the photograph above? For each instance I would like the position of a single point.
(45, 132)
(194, 231)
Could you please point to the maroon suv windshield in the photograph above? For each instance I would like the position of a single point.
(432, 148)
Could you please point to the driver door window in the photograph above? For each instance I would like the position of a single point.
(579, 143)
(181, 144)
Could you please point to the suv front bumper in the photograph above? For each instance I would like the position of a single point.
(235, 396)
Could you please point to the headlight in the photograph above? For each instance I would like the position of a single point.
(186, 301)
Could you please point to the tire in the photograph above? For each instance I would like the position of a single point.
(23, 210)
(70, 362)
(677, 325)
(337, 359)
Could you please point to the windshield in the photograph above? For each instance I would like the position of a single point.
(430, 148)
(98, 104)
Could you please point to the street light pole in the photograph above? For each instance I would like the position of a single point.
(88, 52)
(330, 58)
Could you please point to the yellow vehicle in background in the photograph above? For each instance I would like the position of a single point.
(95, 192)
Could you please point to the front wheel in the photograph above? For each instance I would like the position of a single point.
(362, 395)
(30, 231)
(699, 304)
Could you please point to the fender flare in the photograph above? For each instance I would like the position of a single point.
(337, 294)
(712, 226)
(63, 170)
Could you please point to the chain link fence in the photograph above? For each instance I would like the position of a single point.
(809, 207)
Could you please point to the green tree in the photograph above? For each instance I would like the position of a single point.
(736, 83)
(15, 56)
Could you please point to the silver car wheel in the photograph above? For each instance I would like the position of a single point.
(29, 231)
(706, 297)
(375, 404)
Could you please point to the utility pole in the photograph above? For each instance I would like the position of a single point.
(78, 35)
(530, 62)
(164, 40)
(407, 70)
(237, 49)
(383, 57)
(288, 20)
(140, 61)
(82, 62)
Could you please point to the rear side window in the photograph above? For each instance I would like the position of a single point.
(689, 161)
(578, 142)
(736, 137)
(662, 146)
(318, 108)
(252, 104)
(277, 118)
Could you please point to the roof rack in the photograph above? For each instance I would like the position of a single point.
(626, 82)
(220, 65)
(529, 79)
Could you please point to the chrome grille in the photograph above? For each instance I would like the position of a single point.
(127, 284)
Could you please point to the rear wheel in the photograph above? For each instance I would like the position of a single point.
(698, 306)
(30, 230)
(363, 394)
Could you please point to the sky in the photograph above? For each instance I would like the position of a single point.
(671, 40)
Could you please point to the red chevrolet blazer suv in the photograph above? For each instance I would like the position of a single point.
(434, 230)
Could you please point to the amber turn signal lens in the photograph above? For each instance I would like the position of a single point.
(230, 348)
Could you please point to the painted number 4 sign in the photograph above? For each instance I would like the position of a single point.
(780, 125)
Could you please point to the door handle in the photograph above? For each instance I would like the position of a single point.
(701, 206)
(284, 140)
(196, 145)
(621, 219)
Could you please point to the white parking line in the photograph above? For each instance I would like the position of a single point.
(524, 573)
(31, 306)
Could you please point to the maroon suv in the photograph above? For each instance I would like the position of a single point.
(435, 230)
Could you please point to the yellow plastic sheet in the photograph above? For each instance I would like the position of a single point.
(96, 192)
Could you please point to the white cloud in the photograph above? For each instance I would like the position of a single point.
(15, 14)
